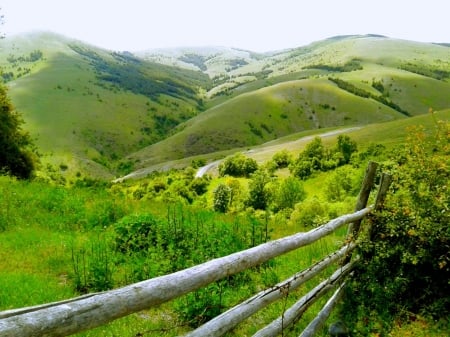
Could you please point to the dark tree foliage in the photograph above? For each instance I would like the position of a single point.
(347, 147)
(146, 78)
(258, 193)
(15, 156)
(347, 86)
(351, 65)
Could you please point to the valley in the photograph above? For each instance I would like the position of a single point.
(104, 114)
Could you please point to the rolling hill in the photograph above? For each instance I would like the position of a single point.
(106, 113)
(89, 107)
(341, 81)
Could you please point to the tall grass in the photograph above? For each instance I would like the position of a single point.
(59, 242)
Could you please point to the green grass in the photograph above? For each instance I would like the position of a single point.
(47, 224)
(390, 133)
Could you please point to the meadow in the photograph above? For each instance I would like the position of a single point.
(61, 240)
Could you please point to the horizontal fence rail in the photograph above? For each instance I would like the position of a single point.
(229, 319)
(89, 311)
(292, 314)
(62, 319)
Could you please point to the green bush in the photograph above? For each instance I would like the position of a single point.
(238, 165)
(282, 159)
(222, 198)
(136, 233)
(311, 213)
(259, 194)
(346, 146)
(340, 184)
(406, 256)
(287, 193)
(316, 157)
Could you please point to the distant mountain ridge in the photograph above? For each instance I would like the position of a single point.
(106, 113)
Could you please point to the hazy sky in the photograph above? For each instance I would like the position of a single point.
(258, 25)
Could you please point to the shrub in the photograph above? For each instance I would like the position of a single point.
(258, 193)
(199, 185)
(301, 169)
(289, 192)
(222, 198)
(238, 165)
(407, 254)
(346, 146)
(282, 159)
(310, 213)
(339, 184)
(136, 233)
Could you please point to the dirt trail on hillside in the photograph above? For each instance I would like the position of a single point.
(258, 153)
(262, 152)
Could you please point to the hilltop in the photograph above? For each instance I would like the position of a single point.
(105, 113)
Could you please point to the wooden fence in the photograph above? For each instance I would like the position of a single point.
(92, 310)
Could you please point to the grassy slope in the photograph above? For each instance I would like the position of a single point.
(251, 113)
(267, 114)
(389, 134)
(76, 118)
(37, 247)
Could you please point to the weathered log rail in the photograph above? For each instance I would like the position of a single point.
(92, 310)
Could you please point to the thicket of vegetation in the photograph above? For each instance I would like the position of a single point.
(383, 99)
(433, 72)
(152, 80)
(316, 157)
(351, 65)
(405, 256)
(16, 155)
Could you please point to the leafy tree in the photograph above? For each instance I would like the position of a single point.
(282, 159)
(258, 193)
(309, 160)
(339, 184)
(289, 192)
(347, 147)
(16, 158)
(315, 151)
(302, 168)
(236, 194)
(222, 198)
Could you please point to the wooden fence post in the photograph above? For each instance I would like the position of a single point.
(385, 182)
(363, 197)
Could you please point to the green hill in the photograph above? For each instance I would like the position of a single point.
(106, 113)
(87, 107)
(353, 80)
